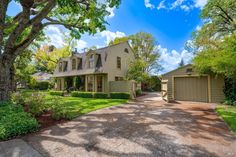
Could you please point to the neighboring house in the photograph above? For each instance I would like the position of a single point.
(93, 71)
(187, 85)
(42, 76)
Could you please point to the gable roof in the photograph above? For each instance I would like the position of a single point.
(177, 69)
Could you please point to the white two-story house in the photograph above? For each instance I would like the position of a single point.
(93, 70)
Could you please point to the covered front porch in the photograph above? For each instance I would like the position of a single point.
(87, 83)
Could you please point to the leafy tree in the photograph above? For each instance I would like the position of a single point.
(46, 59)
(216, 43)
(24, 67)
(119, 40)
(220, 60)
(18, 32)
(146, 54)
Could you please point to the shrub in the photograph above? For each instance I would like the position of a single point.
(138, 92)
(82, 94)
(61, 111)
(58, 93)
(36, 104)
(230, 91)
(100, 95)
(116, 95)
(18, 99)
(14, 121)
(43, 85)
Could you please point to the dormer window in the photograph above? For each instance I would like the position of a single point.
(126, 50)
(73, 64)
(60, 66)
(91, 61)
(65, 66)
(79, 63)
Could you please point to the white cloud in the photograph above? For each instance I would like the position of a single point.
(148, 4)
(81, 44)
(185, 5)
(111, 11)
(200, 3)
(111, 35)
(161, 5)
(176, 4)
(57, 38)
(170, 59)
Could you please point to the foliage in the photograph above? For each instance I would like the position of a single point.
(14, 121)
(119, 40)
(119, 95)
(23, 67)
(135, 71)
(228, 113)
(71, 107)
(138, 92)
(47, 58)
(152, 83)
(60, 110)
(230, 92)
(146, 57)
(36, 104)
(32, 83)
(57, 93)
(18, 99)
(20, 30)
(220, 60)
(215, 43)
(100, 95)
(82, 94)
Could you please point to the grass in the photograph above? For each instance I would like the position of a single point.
(74, 106)
(228, 113)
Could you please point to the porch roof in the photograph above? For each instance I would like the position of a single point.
(77, 73)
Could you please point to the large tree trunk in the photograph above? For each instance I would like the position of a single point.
(6, 80)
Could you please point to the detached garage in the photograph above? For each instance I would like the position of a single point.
(184, 84)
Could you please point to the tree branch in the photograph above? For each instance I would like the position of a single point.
(3, 9)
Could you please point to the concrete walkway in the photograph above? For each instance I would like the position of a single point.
(149, 127)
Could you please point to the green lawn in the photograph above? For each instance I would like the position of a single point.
(74, 106)
(228, 113)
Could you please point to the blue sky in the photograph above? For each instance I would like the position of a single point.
(171, 22)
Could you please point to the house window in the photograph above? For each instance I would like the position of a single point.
(90, 83)
(65, 66)
(119, 78)
(60, 66)
(91, 61)
(73, 64)
(126, 50)
(99, 83)
(189, 70)
(118, 63)
(79, 64)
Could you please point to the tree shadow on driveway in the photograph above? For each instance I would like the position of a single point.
(153, 128)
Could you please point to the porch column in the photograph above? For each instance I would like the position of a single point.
(95, 83)
(86, 83)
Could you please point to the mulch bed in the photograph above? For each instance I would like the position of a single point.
(45, 120)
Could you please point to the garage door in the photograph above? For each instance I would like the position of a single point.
(191, 88)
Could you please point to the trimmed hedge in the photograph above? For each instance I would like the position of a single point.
(14, 121)
(82, 94)
(58, 93)
(100, 95)
(116, 95)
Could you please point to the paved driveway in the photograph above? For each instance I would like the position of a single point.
(148, 127)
